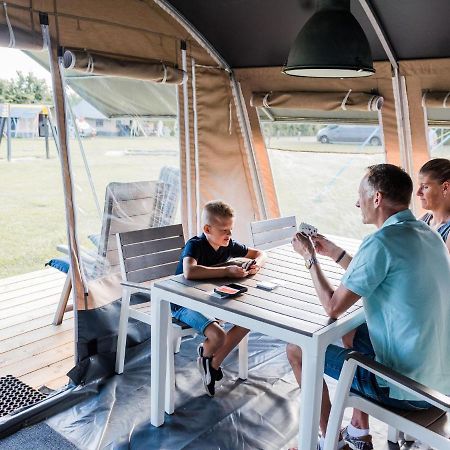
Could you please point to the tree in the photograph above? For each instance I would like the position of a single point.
(25, 89)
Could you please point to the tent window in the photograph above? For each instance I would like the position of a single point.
(437, 111)
(317, 165)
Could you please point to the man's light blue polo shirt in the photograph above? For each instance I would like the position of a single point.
(402, 271)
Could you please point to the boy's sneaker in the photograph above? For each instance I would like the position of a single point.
(204, 367)
(357, 443)
(218, 374)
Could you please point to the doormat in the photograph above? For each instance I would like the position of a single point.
(15, 395)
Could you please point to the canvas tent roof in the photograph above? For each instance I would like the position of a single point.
(259, 33)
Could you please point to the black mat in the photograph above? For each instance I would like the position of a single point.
(37, 437)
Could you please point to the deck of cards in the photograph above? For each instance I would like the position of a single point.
(307, 229)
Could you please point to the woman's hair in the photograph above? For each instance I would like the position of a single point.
(438, 168)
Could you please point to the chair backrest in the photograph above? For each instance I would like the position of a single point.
(167, 197)
(149, 254)
(273, 232)
(128, 207)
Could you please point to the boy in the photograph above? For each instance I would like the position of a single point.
(212, 248)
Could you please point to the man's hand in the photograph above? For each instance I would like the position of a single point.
(303, 245)
(236, 272)
(325, 247)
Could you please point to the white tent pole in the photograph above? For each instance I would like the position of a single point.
(187, 144)
(196, 149)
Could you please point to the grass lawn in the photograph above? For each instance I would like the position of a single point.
(316, 182)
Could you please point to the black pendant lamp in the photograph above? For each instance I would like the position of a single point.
(332, 44)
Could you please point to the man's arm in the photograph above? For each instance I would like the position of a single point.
(335, 302)
(325, 247)
(193, 271)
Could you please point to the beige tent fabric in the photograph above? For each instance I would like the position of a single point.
(268, 79)
(436, 99)
(221, 150)
(133, 28)
(94, 63)
(324, 101)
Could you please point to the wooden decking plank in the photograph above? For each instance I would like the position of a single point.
(20, 284)
(38, 304)
(32, 290)
(21, 340)
(36, 348)
(28, 276)
(29, 316)
(31, 299)
(40, 377)
(24, 327)
(47, 358)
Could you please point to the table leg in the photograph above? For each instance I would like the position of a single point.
(159, 348)
(310, 397)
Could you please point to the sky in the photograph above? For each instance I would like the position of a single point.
(13, 60)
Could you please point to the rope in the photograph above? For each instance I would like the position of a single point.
(12, 39)
(345, 100)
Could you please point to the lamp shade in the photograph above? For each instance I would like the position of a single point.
(332, 44)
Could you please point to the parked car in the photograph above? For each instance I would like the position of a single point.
(350, 134)
(84, 129)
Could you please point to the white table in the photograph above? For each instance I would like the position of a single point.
(291, 313)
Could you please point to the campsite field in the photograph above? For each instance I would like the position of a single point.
(315, 182)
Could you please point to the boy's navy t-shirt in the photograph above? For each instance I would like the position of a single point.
(200, 249)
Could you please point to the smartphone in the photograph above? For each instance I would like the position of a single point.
(230, 290)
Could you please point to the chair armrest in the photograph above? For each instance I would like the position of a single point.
(432, 396)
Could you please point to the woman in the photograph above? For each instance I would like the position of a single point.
(434, 194)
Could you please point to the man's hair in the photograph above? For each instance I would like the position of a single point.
(214, 209)
(392, 181)
(438, 169)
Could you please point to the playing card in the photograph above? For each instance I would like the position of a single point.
(307, 229)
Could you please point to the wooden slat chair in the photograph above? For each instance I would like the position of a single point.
(431, 426)
(273, 232)
(147, 255)
(128, 206)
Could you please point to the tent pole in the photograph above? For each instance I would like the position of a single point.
(399, 88)
(83, 155)
(196, 149)
(2, 127)
(60, 108)
(47, 148)
(8, 135)
(187, 143)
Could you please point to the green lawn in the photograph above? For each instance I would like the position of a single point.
(315, 182)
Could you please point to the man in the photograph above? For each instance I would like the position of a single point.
(402, 271)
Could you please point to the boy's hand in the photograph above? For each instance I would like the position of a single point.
(236, 272)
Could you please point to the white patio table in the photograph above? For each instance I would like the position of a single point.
(291, 312)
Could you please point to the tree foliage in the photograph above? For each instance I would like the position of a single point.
(25, 89)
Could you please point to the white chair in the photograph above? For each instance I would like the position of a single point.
(147, 255)
(431, 426)
(273, 232)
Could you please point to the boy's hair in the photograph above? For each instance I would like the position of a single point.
(392, 181)
(438, 169)
(216, 208)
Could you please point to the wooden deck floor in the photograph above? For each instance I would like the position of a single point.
(31, 348)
